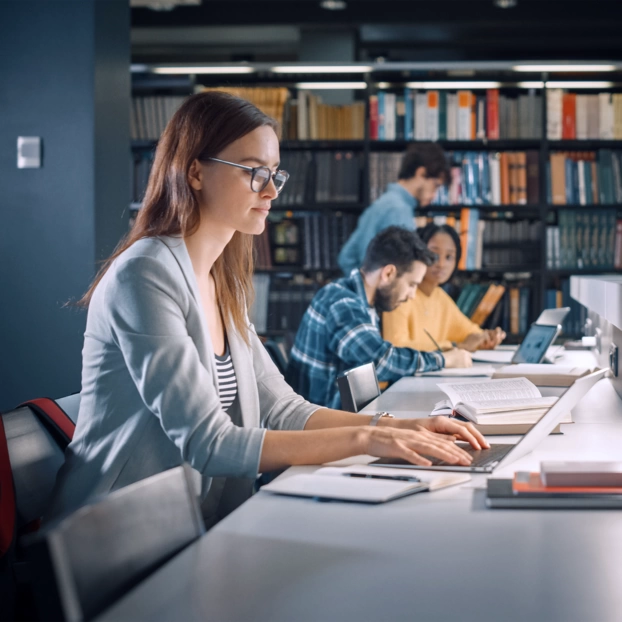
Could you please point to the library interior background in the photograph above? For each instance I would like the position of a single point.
(524, 96)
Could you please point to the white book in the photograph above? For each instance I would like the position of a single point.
(605, 116)
(362, 483)
(554, 114)
(432, 117)
(582, 190)
(303, 115)
(497, 401)
(464, 115)
(452, 116)
(494, 165)
(421, 116)
(581, 117)
(389, 116)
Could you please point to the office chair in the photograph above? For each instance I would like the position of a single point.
(88, 560)
(278, 353)
(33, 438)
(358, 387)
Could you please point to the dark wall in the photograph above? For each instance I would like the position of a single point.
(64, 75)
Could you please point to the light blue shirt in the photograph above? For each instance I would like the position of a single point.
(395, 207)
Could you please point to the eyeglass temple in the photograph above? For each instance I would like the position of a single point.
(248, 168)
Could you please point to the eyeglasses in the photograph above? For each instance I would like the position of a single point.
(260, 175)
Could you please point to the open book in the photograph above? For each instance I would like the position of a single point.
(515, 400)
(543, 375)
(362, 483)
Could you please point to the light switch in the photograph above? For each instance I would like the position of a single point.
(28, 152)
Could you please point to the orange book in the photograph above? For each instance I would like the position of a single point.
(514, 310)
(504, 166)
(473, 116)
(465, 213)
(532, 483)
(558, 178)
(520, 165)
(569, 116)
(488, 303)
(492, 119)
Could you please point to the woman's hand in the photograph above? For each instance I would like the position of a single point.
(474, 341)
(410, 442)
(492, 339)
(461, 430)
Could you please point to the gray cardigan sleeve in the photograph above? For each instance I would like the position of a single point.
(147, 305)
(281, 407)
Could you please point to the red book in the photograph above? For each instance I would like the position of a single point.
(492, 121)
(569, 116)
(530, 483)
(373, 117)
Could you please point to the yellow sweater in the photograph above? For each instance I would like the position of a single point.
(437, 313)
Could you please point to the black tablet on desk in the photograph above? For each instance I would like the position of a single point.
(535, 344)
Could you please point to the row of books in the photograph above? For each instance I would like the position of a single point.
(280, 302)
(150, 114)
(141, 164)
(477, 177)
(583, 240)
(557, 297)
(308, 118)
(463, 115)
(585, 177)
(571, 116)
(506, 304)
(307, 240)
(321, 177)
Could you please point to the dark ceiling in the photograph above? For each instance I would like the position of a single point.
(401, 29)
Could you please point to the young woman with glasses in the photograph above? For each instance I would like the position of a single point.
(172, 369)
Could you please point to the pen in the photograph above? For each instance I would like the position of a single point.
(405, 478)
(433, 340)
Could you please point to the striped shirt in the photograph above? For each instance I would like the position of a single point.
(339, 331)
(227, 383)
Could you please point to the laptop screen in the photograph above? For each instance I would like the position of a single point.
(535, 344)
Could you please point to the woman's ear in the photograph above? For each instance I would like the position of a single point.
(195, 176)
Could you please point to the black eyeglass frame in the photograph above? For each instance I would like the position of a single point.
(253, 170)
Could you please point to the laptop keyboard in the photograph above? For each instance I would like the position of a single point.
(481, 457)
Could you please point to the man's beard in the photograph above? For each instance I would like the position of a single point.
(385, 300)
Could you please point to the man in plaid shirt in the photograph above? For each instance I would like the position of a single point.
(341, 328)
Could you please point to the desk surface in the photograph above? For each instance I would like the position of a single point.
(433, 556)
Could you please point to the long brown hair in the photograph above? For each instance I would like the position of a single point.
(203, 126)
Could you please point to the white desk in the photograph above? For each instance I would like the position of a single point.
(439, 556)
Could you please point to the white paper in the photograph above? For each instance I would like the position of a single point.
(542, 369)
(465, 372)
(493, 356)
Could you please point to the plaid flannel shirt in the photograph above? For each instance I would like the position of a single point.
(339, 331)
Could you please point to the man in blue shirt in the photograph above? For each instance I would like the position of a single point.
(423, 170)
(341, 328)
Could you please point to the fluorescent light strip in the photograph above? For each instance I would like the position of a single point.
(454, 85)
(331, 85)
(202, 70)
(558, 68)
(576, 84)
(321, 69)
(530, 85)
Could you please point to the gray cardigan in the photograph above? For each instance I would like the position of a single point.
(149, 396)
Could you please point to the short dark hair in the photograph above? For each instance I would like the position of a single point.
(430, 230)
(429, 155)
(396, 246)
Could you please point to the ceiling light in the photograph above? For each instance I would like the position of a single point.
(564, 67)
(321, 69)
(331, 85)
(454, 85)
(577, 84)
(505, 4)
(333, 5)
(216, 69)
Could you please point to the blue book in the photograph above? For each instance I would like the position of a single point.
(442, 115)
(569, 183)
(472, 238)
(381, 113)
(409, 126)
(475, 188)
(485, 191)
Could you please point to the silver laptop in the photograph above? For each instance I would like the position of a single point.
(553, 317)
(487, 460)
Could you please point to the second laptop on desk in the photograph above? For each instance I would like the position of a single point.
(487, 460)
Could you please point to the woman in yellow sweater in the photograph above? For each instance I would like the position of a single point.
(432, 309)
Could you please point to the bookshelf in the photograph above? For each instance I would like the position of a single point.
(533, 228)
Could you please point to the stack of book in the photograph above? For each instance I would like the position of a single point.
(562, 485)
(585, 177)
(584, 240)
(150, 114)
(412, 114)
(478, 300)
(321, 177)
(577, 117)
(308, 118)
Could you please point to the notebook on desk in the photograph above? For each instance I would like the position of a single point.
(487, 460)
